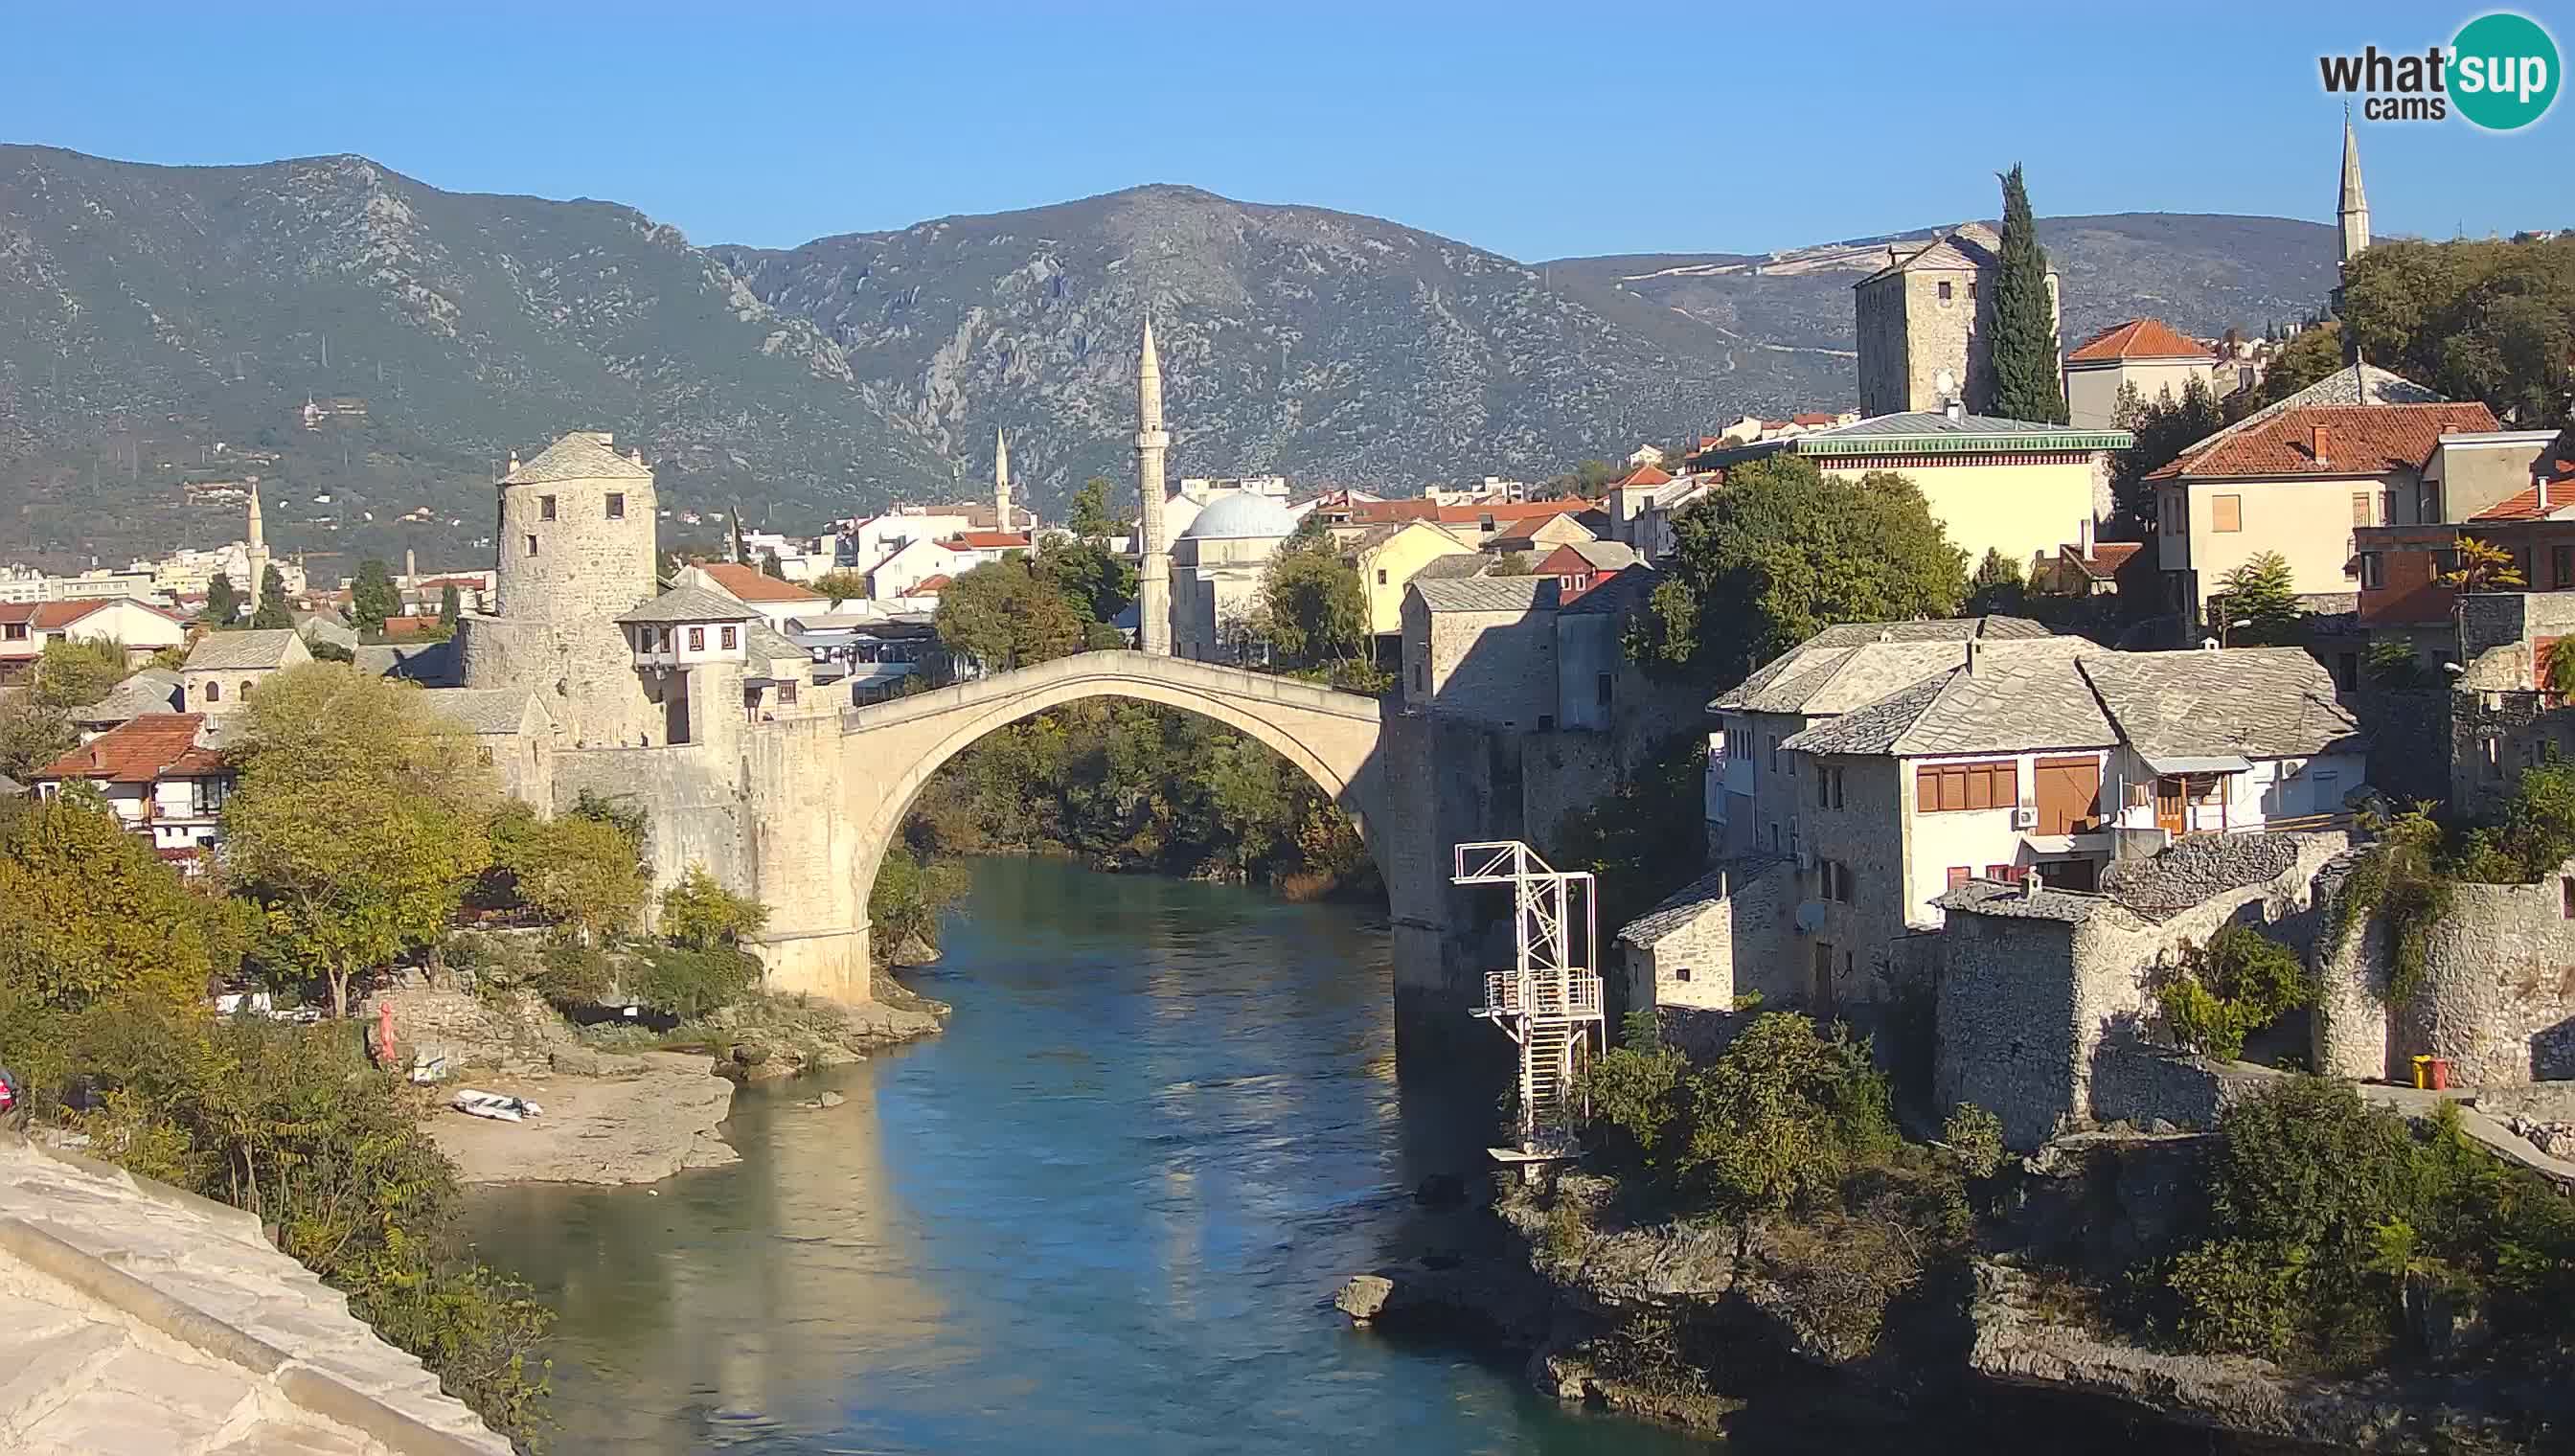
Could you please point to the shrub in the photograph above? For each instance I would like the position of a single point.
(678, 982)
(575, 975)
(1974, 1138)
(1634, 1091)
(699, 914)
(1784, 1114)
(2241, 981)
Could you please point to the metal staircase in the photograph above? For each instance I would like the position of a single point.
(1548, 1003)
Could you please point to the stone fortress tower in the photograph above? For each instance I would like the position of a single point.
(578, 535)
(1154, 596)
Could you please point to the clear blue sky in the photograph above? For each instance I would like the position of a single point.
(1537, 132)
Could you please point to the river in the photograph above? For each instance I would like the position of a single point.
(1106, 1211)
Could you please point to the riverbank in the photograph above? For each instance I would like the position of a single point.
(619, 1105)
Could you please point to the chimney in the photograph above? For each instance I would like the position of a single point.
(2540, 482)
(1956, 410)
(2083, 537)
(1972, 657)
(2031, 884)
(2323, 447)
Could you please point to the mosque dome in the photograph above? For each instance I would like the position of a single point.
(1239, 515)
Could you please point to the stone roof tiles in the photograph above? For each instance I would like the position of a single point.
(2257, 702)
(1692, 900)
(1792, 680)
(231, 652)
(583, 454)
(483, 711)
(1487, 593)
(688, 604)
(2019, 696)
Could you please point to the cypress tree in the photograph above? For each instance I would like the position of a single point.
(223, 604)
(450, 607)
(2026, 386)
(272, 613)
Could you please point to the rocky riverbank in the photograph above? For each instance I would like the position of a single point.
(617, 1107)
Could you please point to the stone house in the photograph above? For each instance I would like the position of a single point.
(1925, 323)
(223, 666)
(1482, 648)
(2147, 353)
(2008, 486)
(2502, 718)
(159, 773)
(2301, 479)
(2043, 995)
(514, 736)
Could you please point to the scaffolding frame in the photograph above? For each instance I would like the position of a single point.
(1549, 1002)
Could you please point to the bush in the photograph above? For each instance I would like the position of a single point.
(2241, 981)
(1974, 1138)
(575, 975)
(699, 914)
(678, 982)
(1634, 1091)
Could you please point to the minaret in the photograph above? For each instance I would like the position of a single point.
(1001, 481)
(1153, 599)
(256, 556)
(2353, 211)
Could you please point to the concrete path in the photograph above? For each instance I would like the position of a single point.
(140, 1320)
(2507, 1144)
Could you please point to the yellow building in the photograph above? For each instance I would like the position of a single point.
(2011, 485)
(1389, 556)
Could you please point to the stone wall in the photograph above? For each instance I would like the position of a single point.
(583, 670)
(695, 810)
(2496, 999)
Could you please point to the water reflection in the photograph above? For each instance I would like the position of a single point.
(1103, 1214)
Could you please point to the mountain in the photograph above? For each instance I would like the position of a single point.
(150, 314)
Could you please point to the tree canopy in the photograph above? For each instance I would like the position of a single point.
(1783, 552)
(77, 671)
(1090, 518)
(361, 814)
(88, 911)
(223, 602)
(2164, 427)
(1093, 580)
(2261, 593)
(2473, 319)
(272, 612)
(840, 587)
(1311, 606)
(372, 597)
(2026, 383)
(1002, 615)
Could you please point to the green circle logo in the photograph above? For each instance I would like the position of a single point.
(2503, 71)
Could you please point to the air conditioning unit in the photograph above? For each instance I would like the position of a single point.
(2025, 816)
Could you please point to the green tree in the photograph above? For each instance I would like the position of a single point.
(906, 902)
(1095, 581)
(33, 733)
(699, 914)
(1313, 604)
(1785, 551)
(361, 817)
(2473, 319)
(2262, 593)
(272, 612)
(77, 671)
(2026, 385)
(451, 606)
(770, 568)
(1784, 1114)
(372, 597)
(1090, 519)
(1001, 616)
(2392, 664)
(2483, 566)
(574, 870)
(326, 651)
(842, 586)
(89, 912)
(1998, 586)
(223, 602)
(2238, 982)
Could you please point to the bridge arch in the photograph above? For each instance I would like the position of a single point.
(892, 750)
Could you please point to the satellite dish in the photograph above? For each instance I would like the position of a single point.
(1945, 385)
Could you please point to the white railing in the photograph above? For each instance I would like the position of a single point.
(1569, 994)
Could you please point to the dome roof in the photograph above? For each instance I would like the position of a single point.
(1241, 514)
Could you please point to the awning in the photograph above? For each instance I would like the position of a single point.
(2217, 764)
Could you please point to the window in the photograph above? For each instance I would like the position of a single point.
(2226, 513)
(245, 688)
(14, 631)
(2566, 896)
(1683, 973)
(2005, 874)
(545, 508)
(2347, 671)
(483, 753)
(532, 544)
(2360, 508)
(1944, 788)
(1838, 787)
(1945, 291)
(787, 694)
(2561, 565)
(1775, 752)
(1959, 875)
(214, 692)
(1834, 881)
(2387, 508)
(1547, 723)
(1419, 676)
(1823, 788)
(205, 796)
(1602, 688)
(2373, 571)
(730, 637)
(697, 638)
(2492, 750)
(617, 504)
(1971, 287)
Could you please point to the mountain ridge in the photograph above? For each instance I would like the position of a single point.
(148, 312)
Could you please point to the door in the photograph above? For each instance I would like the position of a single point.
(2170, 798)
(1823, 978)
(2067, 791)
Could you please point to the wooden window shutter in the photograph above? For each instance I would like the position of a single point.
(2226, 513)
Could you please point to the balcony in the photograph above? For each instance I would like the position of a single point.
(1561, 995)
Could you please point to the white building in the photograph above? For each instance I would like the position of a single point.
(159, 776)
(1217, 563)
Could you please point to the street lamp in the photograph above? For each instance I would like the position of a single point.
(2226, 627)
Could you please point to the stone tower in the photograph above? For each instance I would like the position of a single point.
(575, 549)
(1001, 481)
(2353, 209)
(1153, 597)
(1925, 323)
(255, 553)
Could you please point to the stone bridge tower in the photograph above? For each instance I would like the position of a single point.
(575, 550)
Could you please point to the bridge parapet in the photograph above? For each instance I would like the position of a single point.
(1110, 668)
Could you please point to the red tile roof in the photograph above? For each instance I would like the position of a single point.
(408, 625)
(2107, 558)
(928, 585)
(2136, 339)
(1816, 417)
(1644, 475)
(49, 616)
(2360, 439)
(989, 541)
(750, 584)
(155, 745)
(1376, 512)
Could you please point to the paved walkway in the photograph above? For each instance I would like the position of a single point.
(2508, 1144)
(138, 1320)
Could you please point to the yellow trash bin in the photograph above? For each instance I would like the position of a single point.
(2422, 1071)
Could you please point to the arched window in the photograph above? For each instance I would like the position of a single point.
(245, 689)
(214, 692)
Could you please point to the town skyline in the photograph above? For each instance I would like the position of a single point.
(1508, 152)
